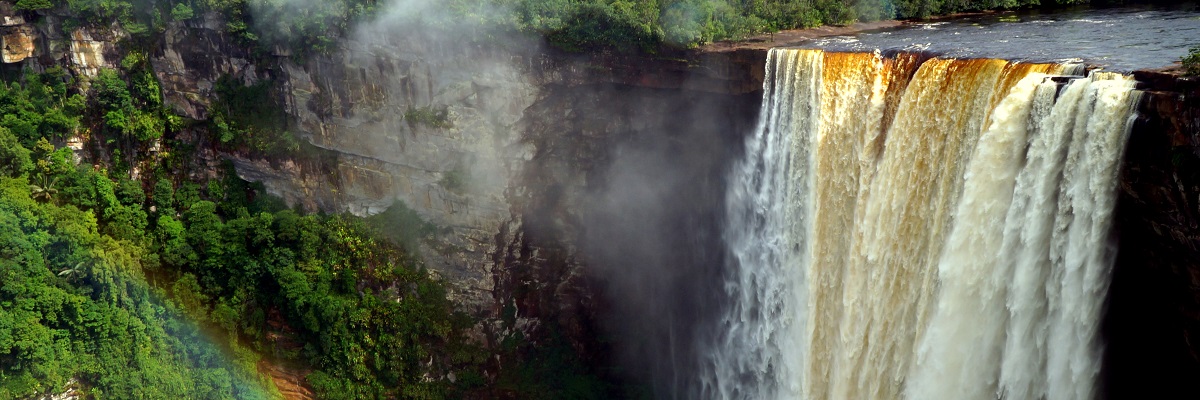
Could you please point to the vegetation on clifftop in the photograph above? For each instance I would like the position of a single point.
(647, 25)
(313, 27)
(1191, 62)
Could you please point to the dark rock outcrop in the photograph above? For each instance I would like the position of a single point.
(1152, 326)
(187, 68)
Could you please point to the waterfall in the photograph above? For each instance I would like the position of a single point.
(904, 227)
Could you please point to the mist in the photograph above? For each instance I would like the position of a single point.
(652, 233)
(629, 181)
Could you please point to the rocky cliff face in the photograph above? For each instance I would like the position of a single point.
(82, 50)
(544, 144)
(408, 119)
(414, 125)
(186, 64)
(1153, 320)
(496, 145)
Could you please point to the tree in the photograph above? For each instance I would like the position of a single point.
(172, 241)
(111, 94)
(14, 158)
(182, 12)
(45, 190)
(163, 197)
(75, 272)
(129, 192)
(205, 233)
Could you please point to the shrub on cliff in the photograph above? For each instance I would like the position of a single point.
(182, 12)
(1191, 62)
(32, 5)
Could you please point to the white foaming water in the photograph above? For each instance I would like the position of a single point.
(1082, 251)
(768, 213)
(921, 229)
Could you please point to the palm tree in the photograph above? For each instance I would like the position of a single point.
(73, 272)
(45, 191)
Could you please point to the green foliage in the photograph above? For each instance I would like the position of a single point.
(171, 238)
(626, 25)
(39, 107)
(552, 370)
(433, 117)
(33, 5)
(928, 8)
(402, 226)
(110, 92)
(247, 116)
(77, 243)
(454, 180)
(187, 194)
(75, 305)
(366, 319)
(305, 27)
(587, 25)
(310, 27)
(131, 110)
(1191, 62)
(139, 17)
(14, 158)
(129, 192)
(182, 12)
(163, 197)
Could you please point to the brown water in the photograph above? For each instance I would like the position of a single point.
(1117, 39)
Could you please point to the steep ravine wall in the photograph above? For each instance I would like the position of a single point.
(532, 140)
(1153, 320)
(620, 220)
